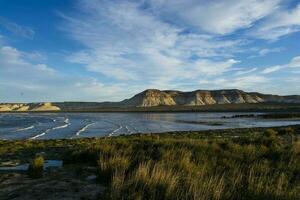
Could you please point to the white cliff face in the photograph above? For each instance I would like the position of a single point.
(154, 97)
(23, 107)
(45, 107)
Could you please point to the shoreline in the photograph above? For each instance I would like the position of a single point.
(249, 107)
(91, 166)
(211, 132)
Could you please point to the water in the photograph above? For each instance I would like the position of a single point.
(24, 167)
(75, 125)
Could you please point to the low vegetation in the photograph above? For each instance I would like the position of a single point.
(226, 164)
(35, 169)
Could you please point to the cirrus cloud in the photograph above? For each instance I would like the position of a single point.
(125, 42)
(23, 81)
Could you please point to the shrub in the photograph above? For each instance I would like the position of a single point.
(110, 165)
(271, 138)
(148, 181)
(36, 167)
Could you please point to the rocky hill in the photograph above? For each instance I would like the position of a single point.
(153, 97)
(23, 107)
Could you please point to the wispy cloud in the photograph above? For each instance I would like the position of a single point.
(16, 29)
(21, 80)
(294, 63)
(129, 44)
(243, 72)
(272, 69)
(246, 82)
(266, 51)
(218, 17)
(283, 22)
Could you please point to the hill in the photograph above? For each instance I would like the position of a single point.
(153, 97)
(171, 100)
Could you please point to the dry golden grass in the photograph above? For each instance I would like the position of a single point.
(256, 165)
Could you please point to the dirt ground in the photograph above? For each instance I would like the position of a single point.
(55, 184)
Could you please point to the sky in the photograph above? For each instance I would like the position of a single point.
(108, 50)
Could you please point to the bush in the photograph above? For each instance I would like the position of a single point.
(109, 165)
(148, 181)
(36, 167)
(271, 138)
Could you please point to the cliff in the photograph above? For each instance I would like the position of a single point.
(153, 97)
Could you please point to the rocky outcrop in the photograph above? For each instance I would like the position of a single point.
(153, 97)
(23, 107)
(150, 98)
(45, 107)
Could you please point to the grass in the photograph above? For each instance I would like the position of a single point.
(35, 169)
(242, 164)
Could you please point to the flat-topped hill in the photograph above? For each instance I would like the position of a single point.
(168, 100)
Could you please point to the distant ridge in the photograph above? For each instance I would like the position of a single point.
(152, 98)
(24, 107)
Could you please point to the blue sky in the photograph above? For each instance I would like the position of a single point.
(100, 50)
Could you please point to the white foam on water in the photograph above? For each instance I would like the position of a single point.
(53, 128)
(84, 128)
(41, 134)
(114, 131)
(67, 123)
(26, 128)
(59, 127)
(128, 130)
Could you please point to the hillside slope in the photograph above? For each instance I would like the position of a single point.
(153, 97)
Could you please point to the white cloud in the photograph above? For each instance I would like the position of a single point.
(131, 45)
(164, 44)
(219, 17)
(16, 29)
(22, 81)
(243, 72)
(280, 23)
(295, 62)
(272, 69)
(209, 68)
(266, 51)
(249, 82)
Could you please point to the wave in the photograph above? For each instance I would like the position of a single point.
(59, 127)
(84, 128)
(41, 134)
(128, 130)
(114, 131)
(26, 128)
(53, 128)
(67, 123)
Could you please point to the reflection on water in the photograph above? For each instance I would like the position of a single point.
(24, 167)
(74, 125)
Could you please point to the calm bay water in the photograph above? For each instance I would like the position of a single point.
(75, 125)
